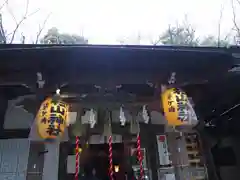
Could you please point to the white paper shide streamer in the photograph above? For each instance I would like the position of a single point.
(122, 117)
(92, 118)
(145, 115)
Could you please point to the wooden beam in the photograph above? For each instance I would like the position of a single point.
(28, 78)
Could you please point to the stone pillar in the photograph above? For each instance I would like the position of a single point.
(51, 160)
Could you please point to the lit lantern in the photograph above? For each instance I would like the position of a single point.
(177, 108)
(52, 118)
(79, 150)
(116, 168)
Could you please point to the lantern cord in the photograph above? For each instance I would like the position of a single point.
(110, 157)
(140, 157)
(77, 158)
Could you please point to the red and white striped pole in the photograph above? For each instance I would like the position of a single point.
(77, 158)
(110, 157)
(140, 157)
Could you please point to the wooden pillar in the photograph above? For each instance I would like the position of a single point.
(206, 145)
(3, 109)
(149, 137)
(65, 148)
(127, 147)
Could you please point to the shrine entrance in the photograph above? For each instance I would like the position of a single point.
(99, 160)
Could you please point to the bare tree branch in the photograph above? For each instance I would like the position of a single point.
(159, 39)
(170, 33)
(18, 23)
(219, 26)
(227, 36)
(23, 38)
(32, 13)
(156, 42)
(2, 32)
(139, 38)
(41, 28)
(236, 27)
(5, 2)
(11, 13)
(238, 1)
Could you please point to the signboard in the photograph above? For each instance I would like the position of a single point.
(168, 177)
(166, 174)
(147, 174)
(163, 150)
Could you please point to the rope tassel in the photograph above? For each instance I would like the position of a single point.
(77, 158)
(140, 157)
(110, 158)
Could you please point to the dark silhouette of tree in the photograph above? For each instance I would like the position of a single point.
(8, 38)
(53, 36)
(214, 41)
(236, 24)
(2, 32)
(180, 34)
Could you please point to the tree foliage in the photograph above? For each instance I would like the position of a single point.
(8, 38)
(213, 41)
(183, 34)
(236, 23)
(53, 36)
(2, 32)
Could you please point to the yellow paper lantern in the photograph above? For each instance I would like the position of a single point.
(177, 109)
(51, 118)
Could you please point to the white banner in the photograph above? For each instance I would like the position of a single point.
(163, 150)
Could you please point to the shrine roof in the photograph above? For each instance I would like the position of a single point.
(100, 63)
(206, 74)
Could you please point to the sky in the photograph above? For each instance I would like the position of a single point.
(109, 21)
